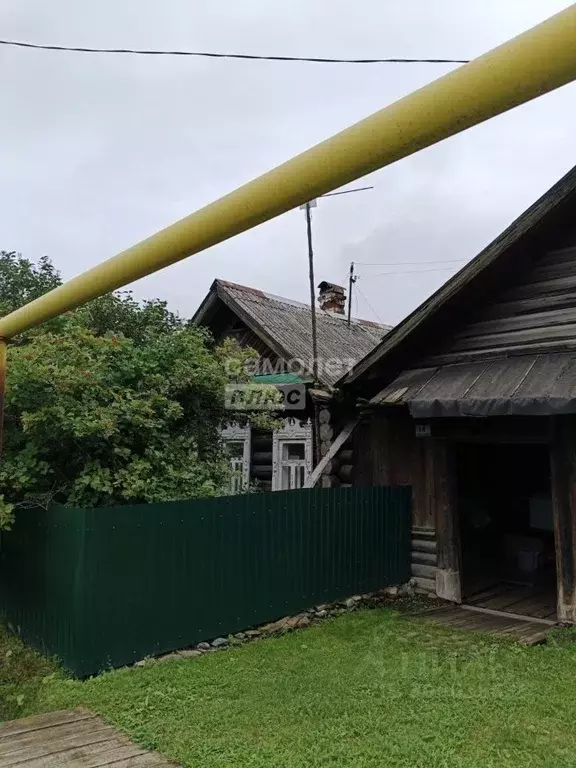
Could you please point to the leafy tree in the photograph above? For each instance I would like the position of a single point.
(116, 402)
(22, 281)
(120, 313)
(100, 421)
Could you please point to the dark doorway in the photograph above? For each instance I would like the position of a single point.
(506, 527)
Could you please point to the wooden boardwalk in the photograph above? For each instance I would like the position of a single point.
(528, 630)
(537, 602)
(71, 739)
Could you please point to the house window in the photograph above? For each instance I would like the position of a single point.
(291, 455)
(237, 440)
(235, 450)
(293, 473)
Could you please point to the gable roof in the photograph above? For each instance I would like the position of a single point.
(476, 277)
(285, 327)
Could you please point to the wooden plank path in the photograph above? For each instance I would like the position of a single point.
(534, 602)
(71, 739)
(486, 621)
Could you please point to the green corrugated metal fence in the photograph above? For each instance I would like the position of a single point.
(105, 587)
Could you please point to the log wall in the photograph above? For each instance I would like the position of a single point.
(387, 452)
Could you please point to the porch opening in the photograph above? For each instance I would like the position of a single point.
(506, 528)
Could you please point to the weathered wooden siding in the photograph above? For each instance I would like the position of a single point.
(387, 452)
(563, 451)
(424, 559)
(238, 330)
(226, 324)
(535, 310)
(261, 459)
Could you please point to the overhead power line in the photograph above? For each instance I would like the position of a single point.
(408, 272)
(371, 307)
(212, 55)
(406, 263)
(412, 272)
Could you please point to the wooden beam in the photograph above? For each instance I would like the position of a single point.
(494, 429)
(423, 515)
(563, 465)
(441, 491)
(334, 448)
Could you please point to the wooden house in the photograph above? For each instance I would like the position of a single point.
(279, 330)
(472, 401)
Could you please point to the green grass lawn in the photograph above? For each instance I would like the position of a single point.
(367, 689)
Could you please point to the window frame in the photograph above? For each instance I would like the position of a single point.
(296, 432)
(234, 433)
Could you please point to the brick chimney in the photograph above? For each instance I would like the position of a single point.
(332, 298)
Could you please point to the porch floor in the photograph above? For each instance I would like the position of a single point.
(527, 631)
(533, 600)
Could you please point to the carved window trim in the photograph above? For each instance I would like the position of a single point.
(294, 431)
(234, 433)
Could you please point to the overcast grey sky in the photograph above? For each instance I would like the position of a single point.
(97, 152)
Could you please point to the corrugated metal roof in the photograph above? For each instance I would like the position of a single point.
(532, 385)
(288, 323)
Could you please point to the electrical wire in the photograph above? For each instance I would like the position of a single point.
(211, 55)
(370, 305)
(408, 263)
(412, 272)
(379, 274)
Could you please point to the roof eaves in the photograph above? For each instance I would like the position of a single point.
(522, 227)
(207, 303)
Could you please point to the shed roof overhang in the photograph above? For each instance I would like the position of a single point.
(525, 385)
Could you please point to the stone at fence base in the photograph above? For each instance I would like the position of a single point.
(287, 624)
(190, 653)
(320, 612)
(273, 627)
(169, 656)
(296, 622)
